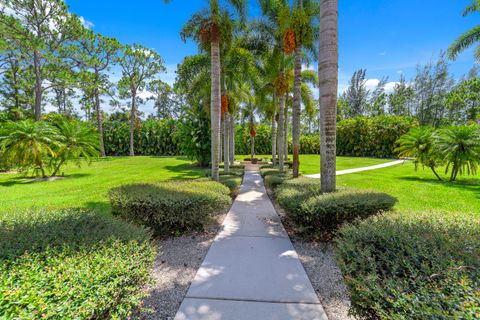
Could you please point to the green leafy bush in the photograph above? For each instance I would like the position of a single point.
(319, 215)
(373, 136)
(170, 207)
(410, 265)
(97, 264)
(275, 180)
(152, 138)
(232, 182)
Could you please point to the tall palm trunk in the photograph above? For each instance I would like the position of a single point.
(215, 108)
(285, 127)
(232, 138)
(281, 132)
(38, 86)
(133, 112)
(297, 101)
(99, 123)
(226, 142)
(328, 86)
(274, 140)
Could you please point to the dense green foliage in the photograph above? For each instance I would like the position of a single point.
(410, 265)
(171, 207)
(96, 263)
(152, 138)
(371, 137)
(47, 145)
(458, 147)
(318, 215)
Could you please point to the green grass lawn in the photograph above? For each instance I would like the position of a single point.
(419, 190)
(310, 163)
(87, 187)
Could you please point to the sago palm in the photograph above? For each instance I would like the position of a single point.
(459, 146)
(77, 141)
(470, 37)
(419, 144)
(29, 144)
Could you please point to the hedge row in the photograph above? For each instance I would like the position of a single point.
(362, 137)
(411, 265)
(171, 207)
(94, 262)
(152, 138)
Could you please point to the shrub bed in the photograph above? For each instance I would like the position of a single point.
(410, 265)
(232, 182)
(317, 215)
(92, 261)
(171, 207)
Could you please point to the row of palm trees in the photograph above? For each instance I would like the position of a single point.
(259, 67)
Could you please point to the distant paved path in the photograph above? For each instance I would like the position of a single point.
(252, 270)
(348, 171)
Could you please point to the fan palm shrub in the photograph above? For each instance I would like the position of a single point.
(76, 141)
(29, 144)
(459, 146)
(419, 143)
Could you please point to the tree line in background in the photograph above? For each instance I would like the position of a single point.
(247, 74)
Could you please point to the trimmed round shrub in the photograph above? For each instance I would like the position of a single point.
(275, 180)
(71, 264)
(170, 207)
(411, 265)
(232, 182)
(317, 215)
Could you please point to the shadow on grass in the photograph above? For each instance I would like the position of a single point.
(25, 180)
(470, 184)
(186, 171)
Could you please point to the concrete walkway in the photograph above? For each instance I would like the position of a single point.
(252, 270)
(348, 171)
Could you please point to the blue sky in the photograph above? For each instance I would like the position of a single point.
(387, 37)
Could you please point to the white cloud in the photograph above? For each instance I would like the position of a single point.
(384, 53)
(87, 24)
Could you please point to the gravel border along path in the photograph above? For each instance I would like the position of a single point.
(175, 267)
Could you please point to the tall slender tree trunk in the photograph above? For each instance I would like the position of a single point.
(297, 101)
(99, 123)
(286, 128)
(132, 125)
(215, 108)
(274, 140)
(232, 138)
(226, 142)
(38, 86)
(328, 87)
(281, 132)
(252, 151)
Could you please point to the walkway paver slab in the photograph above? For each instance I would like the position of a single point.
(253, 268)
(200, 309)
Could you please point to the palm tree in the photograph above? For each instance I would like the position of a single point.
(470, 37)
(207, 27)
(28, 144)
(302, 22)
(328, 87)
(77, 141)
(419, 143)
(460, 147)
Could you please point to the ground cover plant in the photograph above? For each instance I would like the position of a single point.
(94, 262)
(171, 207)
(412, 265)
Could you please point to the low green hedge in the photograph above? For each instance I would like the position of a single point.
(71, 264)
(410, 265)
(275, 180)
(170, 207)
(232, 182)
(319, 215)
